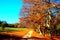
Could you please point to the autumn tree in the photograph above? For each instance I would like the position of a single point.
(37, 14)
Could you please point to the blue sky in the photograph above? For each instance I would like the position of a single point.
(10, 9)
(56, 1)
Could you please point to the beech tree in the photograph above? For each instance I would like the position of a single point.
(37, 14)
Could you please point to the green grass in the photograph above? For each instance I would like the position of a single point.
(58, 26)
(12, 29)
(0, 28)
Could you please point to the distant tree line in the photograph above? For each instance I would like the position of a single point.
(5, 24)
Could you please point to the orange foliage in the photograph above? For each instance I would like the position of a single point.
(21, 19)
(34, 13)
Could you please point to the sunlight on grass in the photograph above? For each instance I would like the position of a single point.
(0, 28)
(7, 28)
(58, 27)
(12, 29)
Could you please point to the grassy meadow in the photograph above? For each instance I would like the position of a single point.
(12, 29)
